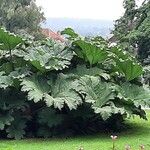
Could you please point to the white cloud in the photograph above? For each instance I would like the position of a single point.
(92, 9)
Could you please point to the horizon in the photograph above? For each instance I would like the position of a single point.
(85, 27)
(98, 20)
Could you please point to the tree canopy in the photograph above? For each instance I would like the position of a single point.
(132, 30)
(21, 15)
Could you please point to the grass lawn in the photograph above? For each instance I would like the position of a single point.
(139, 134)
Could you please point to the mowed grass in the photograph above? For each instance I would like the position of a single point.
(137, 135)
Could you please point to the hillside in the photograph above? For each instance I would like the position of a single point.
(85, 27)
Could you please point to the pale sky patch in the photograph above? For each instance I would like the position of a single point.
(83, 9)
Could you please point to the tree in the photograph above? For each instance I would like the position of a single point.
(18, 15)
(125, 23)
(132, 30)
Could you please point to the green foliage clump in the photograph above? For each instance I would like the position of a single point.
(49, 88)
(132, 30)
(21, 16)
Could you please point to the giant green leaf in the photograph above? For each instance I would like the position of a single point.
(5, 81)
(117, 52)
(20, 73)
(36, 87)
(49, 56)
(130, 69)
(125, 64)
(90, 52)
(63, 93)
(82, 70)
(140, 95)
(107, 111)
(8, 41)
(97, 92)
(56, 93)
(100, 94)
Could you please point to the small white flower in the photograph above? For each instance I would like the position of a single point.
(113, 137)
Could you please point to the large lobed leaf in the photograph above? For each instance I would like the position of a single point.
(8, 41)
(20, 73)
(55, 93)
(130, 69)
(140, 95)
(36, 87)
(97, 92)
(108, 110)
(90, 52)
(104, 99)
(51, 55)
(82, 70)
(63, 93)
(5, 81)
(126, 64)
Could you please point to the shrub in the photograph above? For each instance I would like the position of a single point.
(48, 88)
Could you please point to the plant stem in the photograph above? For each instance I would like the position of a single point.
(11, 60)
(113, 145)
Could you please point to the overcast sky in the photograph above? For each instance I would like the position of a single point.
(88, 9)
